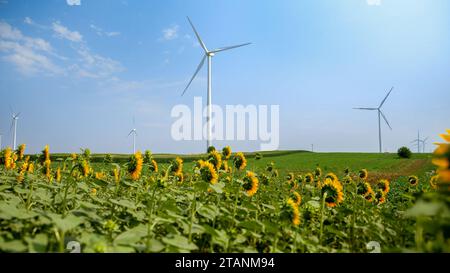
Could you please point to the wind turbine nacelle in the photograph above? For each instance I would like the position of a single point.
(211, 54)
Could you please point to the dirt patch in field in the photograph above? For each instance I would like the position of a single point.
(406, 170)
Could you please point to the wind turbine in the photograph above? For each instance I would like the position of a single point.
(208, 55)
(423, 144)
(15, 117)
(380, 114)
(134, 132)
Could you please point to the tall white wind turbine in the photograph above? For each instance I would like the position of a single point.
(134, 133)
(15, 118)
(380, 114)
(417, 141)
(208, 55)
(424, 141)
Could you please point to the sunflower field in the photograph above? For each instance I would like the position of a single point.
(221, 202)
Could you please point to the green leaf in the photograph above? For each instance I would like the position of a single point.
(208, 211)
(131, 236)
(179, 242)
(38, 243)
(13, 246)
(67, 223)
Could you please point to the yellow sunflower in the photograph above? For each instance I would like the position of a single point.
(58, 175)
(85, 168)
(116, 174)
(153, 166)
(296, 197)
(309, 178)
(47, 170)
(208, 172)
(383, 184)
(433, 181)
(99, 175)
(380, 196)
(251, 183)
(216, 159)
(441, 158)
(332, 176)
(226, 152)
(363, 174)
(30, 168)
(318, 172)
(239, 161)
(21, 151)
(7, 158)
(135, 165)
(364, 188)
(413, 180)
(179, 177)
(292, 211)
(46, 153)
(290, 178)
(177, 165)
(73, 156)
(334, 193)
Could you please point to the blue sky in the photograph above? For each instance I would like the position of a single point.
(79, 73)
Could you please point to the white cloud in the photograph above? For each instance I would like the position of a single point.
(73, 2)
(373, 2)
(95, 66)
(170, 33)
(99, 31)
(63, 32)
(27, 54)
(28, 21)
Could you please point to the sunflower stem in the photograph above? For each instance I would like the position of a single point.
(321, 217)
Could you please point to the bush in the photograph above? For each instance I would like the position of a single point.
(404, 152)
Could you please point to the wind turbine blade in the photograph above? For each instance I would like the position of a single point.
(385, 119)
(425, 139)
(228, 47)
(130, 132)
(12, 124)
(386, 97)
(198, 36)
(363, 108)
(195, 74)
(17, 115)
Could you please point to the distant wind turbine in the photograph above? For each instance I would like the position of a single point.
(423, 144)
(380, 114)
(417, 141)
(208, 54)
(134, 132)
(13, 128)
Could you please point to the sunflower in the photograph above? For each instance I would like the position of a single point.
(135, 165)
(58, 175)
(270, 167)
(226, 152)
(99, 175)
(47, 169)
(318, 172)
(153, 166)
(347, 179)
(380, 196)
(441, 158)
(116, 174)
(21, 151)
(208, 172)
(179, 177)
(85, 168)
(433, 181)
(309, 178)
(299, 178)
(30, 168)
(296, 197)
(364, 188)
(216, 159)
(413, 180)
(73, 156)
(275, 173)
(292, 212)
(370, 196)
(239, 161)
(7, 155)
(347, 171)
(94, 191)
(363, 174)
(334, 194)
(225, 167)
(46, 153)
(251, 183)
(332, 176)
(383, 184)
(290, 178)
(177, 166)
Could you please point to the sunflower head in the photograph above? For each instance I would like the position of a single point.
(370, 196)
(226, 152)
(177, 165)
(441, 158)
(58, 175)
(309, 178)
(413, 180)
(210, 149)
(153, 166)
(290, 178)
(239, 161)
(73, 156)
(380, 196)
(332, 192)
(332, 176)
(299, 178)
(46, 153)
(21, 151)
(363, 174)
(179, 177)
(116, 174)
(7, 158)
(216, 159)
(364, 188)
(347, 179)
(291, 212)
(383, 184)
(433, 181)
(318, 172)
(251, 183)
(270, 167)
(30, 168)
(264, 179)
(275, 173)
(99, 175)
(208, 172)
(47, 171)
(296, 197)
(135, 165)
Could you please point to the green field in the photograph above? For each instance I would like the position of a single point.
(188, 209)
